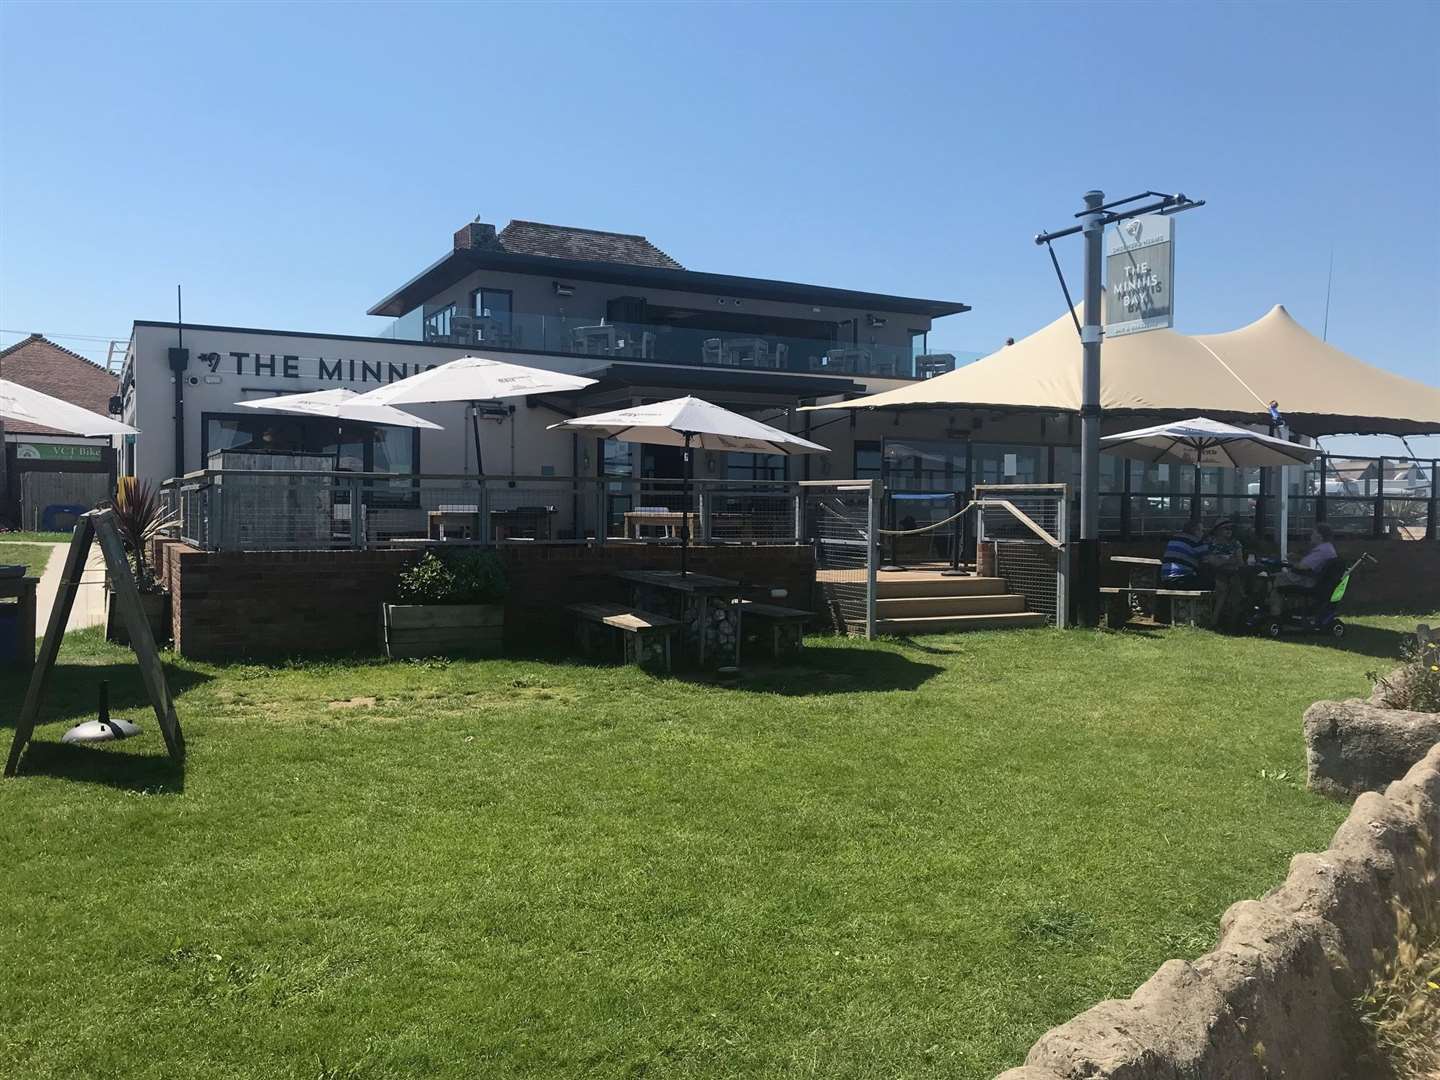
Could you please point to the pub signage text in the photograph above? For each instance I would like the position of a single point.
(294, 366)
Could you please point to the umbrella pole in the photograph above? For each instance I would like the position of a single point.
(475, 429)
(685, 509)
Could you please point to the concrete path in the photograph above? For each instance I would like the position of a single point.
(89, 606)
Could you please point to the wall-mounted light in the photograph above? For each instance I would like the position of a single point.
(561, 289)
(875, 320)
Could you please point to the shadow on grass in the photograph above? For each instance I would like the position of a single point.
(72, 692)
(128, 770)
(819, 669)
(1380, 642)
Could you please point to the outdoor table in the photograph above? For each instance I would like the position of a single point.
(704, 605)
(1141, 569)
(669, 520)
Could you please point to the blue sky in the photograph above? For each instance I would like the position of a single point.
(290, 164)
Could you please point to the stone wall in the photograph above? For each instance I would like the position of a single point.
(1274, 998)
(1406, 577)
(226, 605)
(1352, 746)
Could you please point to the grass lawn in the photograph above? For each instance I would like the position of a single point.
(32, 556)
(893, 860)
(35, 537)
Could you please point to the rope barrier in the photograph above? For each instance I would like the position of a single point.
(931, 527)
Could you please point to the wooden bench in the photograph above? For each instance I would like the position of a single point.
(645, 637)
(1184, 604)
(782, 629)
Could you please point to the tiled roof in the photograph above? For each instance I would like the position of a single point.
(42, 365)
(584, 245)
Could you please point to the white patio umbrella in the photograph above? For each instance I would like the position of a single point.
(22, 403)
(1202, 441)
(339, 404)
(473, 379)
(690, 422)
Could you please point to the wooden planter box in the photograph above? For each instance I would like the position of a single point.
(156, 607)
(410, 630)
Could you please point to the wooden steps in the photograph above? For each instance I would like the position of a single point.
(928, 602)
(948, 624)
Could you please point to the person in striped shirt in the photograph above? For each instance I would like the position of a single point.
(1183, 564)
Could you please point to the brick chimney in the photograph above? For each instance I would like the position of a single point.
(475, 234)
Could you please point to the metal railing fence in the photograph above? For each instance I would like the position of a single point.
(270, 510)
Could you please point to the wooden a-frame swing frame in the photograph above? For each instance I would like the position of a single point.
(99, 524)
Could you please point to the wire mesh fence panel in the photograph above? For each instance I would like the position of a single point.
(838, 521)
(1031, 569)
(1027, 527)
(748, 515)
(273, 512)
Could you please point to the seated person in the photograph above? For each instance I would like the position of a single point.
(1225, 559)
(1302, 576)
(1183, 564)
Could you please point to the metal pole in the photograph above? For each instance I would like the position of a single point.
(1283, 432)
(872, 555)
(1088, 593)
(685, 511)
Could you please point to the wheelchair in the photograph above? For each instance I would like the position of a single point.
(1313, 608)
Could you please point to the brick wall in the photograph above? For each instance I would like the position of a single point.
(232, 604)
(1405, 579)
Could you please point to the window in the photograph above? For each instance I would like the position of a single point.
(926, 464)
(437, 323)
(355, 447)
(495, 305)
(755, 466)
(1001, 464)
(919, 344)
(867, 461)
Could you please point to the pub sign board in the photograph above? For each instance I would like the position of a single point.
(1140, 275)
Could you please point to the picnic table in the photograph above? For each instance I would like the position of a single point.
(669, 520)
(703, 605)
(1184, 605)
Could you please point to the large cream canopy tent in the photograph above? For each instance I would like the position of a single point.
(1234, 375)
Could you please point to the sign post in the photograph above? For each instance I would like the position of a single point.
(1142, 260)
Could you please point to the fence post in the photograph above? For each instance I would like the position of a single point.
(482, 504)
(799, 500)
(705, 507)
(872, 556)
(602, 510)
(358, 539)
(1377, 526)
(1062, 561)
(1432, 510)
(217, 513)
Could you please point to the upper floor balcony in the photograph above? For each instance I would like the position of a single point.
(753, 342)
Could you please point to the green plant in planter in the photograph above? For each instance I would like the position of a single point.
(472, 578)
(140, 517)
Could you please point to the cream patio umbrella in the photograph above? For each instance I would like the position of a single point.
(473, 379)
(691, 423)
(1202, 441)
(22, 403)
(339, 404)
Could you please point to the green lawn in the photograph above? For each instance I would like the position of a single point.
(35, 537)
(894, 860)
(32, 556)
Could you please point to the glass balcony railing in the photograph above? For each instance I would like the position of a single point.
(665, 344)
